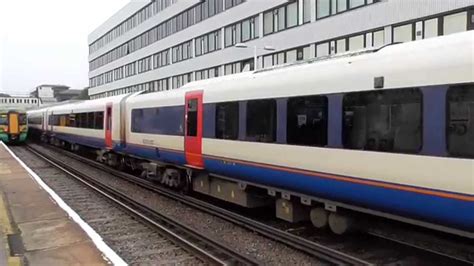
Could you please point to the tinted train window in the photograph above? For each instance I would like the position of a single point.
(3, 119)
(307, 121)
(192, 121)
(227, 120)
(261, 120)
(163, 120)
(389, 121)
(461, 121)
(90, 120)
(99, 120)
(22, 119)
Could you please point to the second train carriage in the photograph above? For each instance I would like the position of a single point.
(389, 133)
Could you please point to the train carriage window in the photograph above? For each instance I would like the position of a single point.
(460, 126)
(99, 120)
(90, 120)
(389, 121)
(261, 120)
(22, 119)
(227, 120)
(3, 119)
(307, 121)
(158, 120)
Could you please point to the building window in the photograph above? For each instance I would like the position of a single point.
(307, 121)
(460, 125)
(403, 33)
(356, 43)
(227, 120)
(261, 121)
(281, 18)
(208, 43)
(323, 8)
(341, 46)
(389, 121)
(455, 23)
(379, 38)
(322, 49)
(356, 3)
(307, 10)
(430, 28)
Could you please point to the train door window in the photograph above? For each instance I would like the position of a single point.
(261, 121)
(307, 121)
(90, 120)
(455, 23)
(192, 119)
(99, 120)
(72, 121)
(460, 124)
(389, 121)
(227, 120)
(108, 124)
(403, 33)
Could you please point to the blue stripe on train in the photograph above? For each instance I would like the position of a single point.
(449, 212)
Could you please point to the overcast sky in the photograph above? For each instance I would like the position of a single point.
(45, 41)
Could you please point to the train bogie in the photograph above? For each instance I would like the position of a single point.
(324, 141)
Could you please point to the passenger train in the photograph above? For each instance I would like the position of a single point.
(13, 126)
(387, 133)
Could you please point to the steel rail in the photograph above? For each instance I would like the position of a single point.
(202, 246)
(314, 249)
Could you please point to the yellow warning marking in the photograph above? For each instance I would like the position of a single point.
(14, 261)
(5, 224)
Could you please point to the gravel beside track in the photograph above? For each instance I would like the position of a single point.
(133, 241)
(265, 251)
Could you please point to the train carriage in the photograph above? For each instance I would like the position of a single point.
(387, 132)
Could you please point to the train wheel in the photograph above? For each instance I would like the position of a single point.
(319, 217)
(340, 223)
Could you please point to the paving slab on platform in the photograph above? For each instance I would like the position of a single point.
(47, 234)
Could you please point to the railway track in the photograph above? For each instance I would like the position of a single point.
(206, 249)
(317, 250)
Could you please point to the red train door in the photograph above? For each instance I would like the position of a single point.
(108, 126)
(193, 129)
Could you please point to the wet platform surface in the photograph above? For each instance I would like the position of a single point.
(34, 229)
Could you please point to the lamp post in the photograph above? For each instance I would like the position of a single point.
(265, 48)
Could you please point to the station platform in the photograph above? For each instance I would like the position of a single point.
(34, 228)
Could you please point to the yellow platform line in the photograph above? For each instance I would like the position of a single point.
(7, 229)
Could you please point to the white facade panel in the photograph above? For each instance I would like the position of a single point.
(378, 18)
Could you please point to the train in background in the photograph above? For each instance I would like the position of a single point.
(386, 133)
(13, 126)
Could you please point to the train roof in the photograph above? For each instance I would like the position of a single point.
(440, 60)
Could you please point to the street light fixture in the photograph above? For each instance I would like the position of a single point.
(265, 48)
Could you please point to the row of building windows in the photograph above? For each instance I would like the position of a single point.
(18, 101)
(200, 12)
(275, 20)
(144, 14)
(424, 28)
